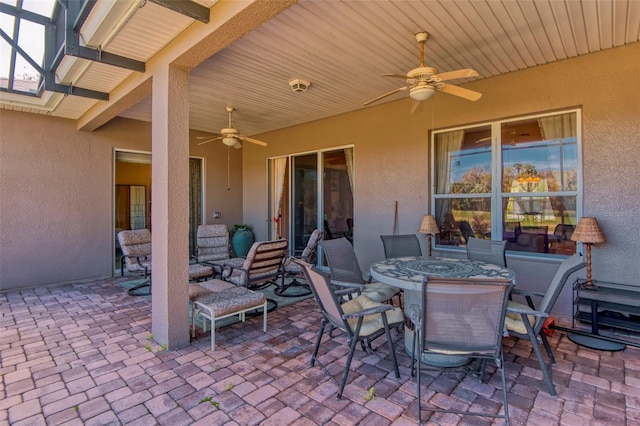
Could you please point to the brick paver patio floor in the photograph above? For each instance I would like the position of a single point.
(83, 354)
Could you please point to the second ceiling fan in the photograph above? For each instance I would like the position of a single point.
(423, 82)
(231, 136)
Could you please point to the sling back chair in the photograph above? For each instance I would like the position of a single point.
(400, 245)
(343, 266)
(461, 317)
(293, 271)
(487, 251)
(361, 319)
(526, 321)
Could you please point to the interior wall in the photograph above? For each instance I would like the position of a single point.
(392, 157)
(56, 195)
(136, 174)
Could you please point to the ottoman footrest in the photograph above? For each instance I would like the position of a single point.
(223, 300)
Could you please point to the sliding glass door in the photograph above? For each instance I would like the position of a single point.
(300, 202)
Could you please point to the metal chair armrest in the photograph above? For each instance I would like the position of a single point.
(526, 293)
(345, 284)
(527, 312)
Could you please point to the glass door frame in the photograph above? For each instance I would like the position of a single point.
(290, 192)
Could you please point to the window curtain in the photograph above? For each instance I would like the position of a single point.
(446, 143)
(279, 171)
(348, 156)
(560, 127)
(195, 201)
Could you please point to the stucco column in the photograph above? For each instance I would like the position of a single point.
(170, 206)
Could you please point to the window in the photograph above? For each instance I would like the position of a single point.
(514, 180)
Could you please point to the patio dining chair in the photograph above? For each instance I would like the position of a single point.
(527, 321)
(293, 271)
(461, 317)
(344, 267)
(487, 251)
(401, 245)
(361, 319)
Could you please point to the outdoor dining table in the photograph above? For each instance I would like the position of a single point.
(408, 273)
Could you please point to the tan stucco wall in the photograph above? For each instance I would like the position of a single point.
(391, 154)
(56, 195)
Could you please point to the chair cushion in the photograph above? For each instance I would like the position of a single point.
(198, 271)
(206, 287)
(217, 286)
(513, 322)
(231, 300)
(379, 292)
(196, 291)
(370, 323)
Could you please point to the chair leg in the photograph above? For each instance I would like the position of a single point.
(318, 339)
(500, 364)
(547, 347)
(419, 344)
(392, 351)
(352, 350)
(546, 368)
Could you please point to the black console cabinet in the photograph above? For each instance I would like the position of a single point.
(607, 305)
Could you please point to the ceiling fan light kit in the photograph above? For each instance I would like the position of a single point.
(229, 141)
(231, 136)
(422, 92)
(424, 81)
(298, 85)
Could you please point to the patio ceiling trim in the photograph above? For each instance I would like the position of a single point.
(232, 19)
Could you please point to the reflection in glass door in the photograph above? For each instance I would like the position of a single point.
(304, 217)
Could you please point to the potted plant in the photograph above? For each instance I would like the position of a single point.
(241, 239)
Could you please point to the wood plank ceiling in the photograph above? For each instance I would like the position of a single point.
(342, 47)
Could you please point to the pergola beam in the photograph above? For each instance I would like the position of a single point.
(187, 8)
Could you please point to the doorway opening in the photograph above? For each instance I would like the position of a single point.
(132, 196)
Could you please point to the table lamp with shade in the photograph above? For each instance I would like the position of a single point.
(588, 232)
(429, 226)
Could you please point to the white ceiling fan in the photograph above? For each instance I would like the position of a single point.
(231, 136)
(423, 82)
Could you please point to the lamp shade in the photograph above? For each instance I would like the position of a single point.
(588, 231)
(429, 225)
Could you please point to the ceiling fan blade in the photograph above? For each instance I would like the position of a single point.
(452, 75)
(459, 91)
(209, 140)
(404, 77)
(255, 141)
(238, 145)
(386, 94)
